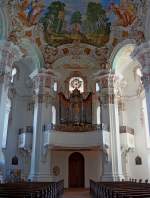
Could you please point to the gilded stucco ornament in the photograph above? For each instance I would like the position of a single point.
(35, 21)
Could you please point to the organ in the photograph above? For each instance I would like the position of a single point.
(75, 110)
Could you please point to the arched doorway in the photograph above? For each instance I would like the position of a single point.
(76, 170)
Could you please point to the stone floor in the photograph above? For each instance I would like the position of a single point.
(77, 193)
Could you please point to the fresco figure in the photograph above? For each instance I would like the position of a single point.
(29, 12)
(125, 13)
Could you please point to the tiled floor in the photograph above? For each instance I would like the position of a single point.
(76, 193)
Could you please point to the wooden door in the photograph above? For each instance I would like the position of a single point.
(76, 170)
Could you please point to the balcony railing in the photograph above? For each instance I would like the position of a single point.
(72, 128)
(25, 138)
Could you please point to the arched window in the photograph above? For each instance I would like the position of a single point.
(138, 160)
(98, 115)
(97, 87)
(55, 86)
(13, 73)
(14, 160)
(76, 83)
(53, 115)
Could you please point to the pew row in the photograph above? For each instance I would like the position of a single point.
(32, 190)
(125, 189)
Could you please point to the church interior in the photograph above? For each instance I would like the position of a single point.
(75, 98)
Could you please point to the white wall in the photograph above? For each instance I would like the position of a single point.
(93, 165)
(133, 120)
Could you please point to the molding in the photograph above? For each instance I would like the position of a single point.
(126, 129)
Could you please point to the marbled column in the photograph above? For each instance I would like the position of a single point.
(112, 164)
(40, 158)
(9, 53)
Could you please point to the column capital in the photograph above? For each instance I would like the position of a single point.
(42, 85)
(9, 53)
(111, 87)
(42, 82)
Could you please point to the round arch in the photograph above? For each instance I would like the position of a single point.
(122, 54)
(34, 53)
(76, 170)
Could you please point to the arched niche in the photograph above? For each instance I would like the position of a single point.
(138, 160)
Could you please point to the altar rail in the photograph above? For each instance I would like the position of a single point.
(32, 190)
(125, 189)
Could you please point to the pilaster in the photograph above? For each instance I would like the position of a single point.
(112, 167)
(9, 53)
(40, 158)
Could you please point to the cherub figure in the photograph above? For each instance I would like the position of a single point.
(30, 11)
(125, 13)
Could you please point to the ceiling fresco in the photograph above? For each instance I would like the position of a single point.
(88, 21)
(73, 29)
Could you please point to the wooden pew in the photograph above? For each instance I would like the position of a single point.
(32, 190)
(124, 189)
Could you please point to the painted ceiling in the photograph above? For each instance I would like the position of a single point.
(88, 21)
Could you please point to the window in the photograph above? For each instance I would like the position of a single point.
(14, 160)
(145, 116)
(98, 115)
(138, 72)
(138, 160)
(97, 87)
(55, 86)
(76, 83)
(53, 115)
(13, 73)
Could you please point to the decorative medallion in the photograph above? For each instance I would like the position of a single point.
(56, 171)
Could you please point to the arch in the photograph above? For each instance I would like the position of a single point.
(124, 48)
(76, 170)
(33, 53)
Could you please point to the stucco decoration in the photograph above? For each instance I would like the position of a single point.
(88, 21)
(9, 53)
(32, 53)
(92, 21)
(53, 25)
(142, 56)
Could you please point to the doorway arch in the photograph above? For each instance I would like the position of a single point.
(76, 170)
